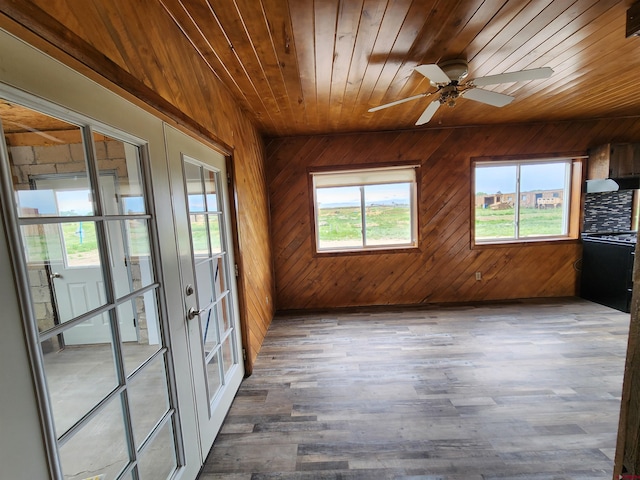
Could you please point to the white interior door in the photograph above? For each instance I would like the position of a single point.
(201, 211)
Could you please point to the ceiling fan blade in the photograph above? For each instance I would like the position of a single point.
(485, 96)
(398, 102)
(433, 72)
(522, 75)
(429, 112)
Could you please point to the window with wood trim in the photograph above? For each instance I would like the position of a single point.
(525, 200)
(365, 209)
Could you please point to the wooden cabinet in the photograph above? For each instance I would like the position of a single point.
(598, 162)
(624, 160)
(614, 160)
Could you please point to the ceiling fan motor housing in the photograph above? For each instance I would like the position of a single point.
(457, 70)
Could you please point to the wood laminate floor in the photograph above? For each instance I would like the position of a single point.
(526, 390)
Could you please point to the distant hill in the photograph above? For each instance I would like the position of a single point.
(384, 203)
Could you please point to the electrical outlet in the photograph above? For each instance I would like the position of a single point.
(478, 275)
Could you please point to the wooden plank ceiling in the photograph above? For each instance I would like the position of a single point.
(309, 67)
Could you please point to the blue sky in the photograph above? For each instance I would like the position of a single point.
(49, 202)
(549, 176)
(53, 203)
(196, 202)
(397, 192)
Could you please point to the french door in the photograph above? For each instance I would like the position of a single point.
(118, 263)
(77, 195)
(208, 283)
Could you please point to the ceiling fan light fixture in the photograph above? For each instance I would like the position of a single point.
(449, 95)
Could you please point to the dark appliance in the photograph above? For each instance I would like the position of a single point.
(607, 268)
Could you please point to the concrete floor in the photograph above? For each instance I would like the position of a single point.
(79, 377)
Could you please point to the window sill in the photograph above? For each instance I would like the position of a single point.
(367, 251)
(523, 242)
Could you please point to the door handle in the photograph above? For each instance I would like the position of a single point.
(55, 275)
(193, 313)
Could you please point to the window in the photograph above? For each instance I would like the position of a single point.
(543, 212)
(365, 209)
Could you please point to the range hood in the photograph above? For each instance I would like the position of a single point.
(602, 185)
(613, 184)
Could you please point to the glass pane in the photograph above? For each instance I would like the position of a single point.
(138, 237)
(224, 318)
(80, 244)
(193, 182)
(121, 183)
(47, 161)
(542, 194)
(339, 217)
(99, 448)
(158, 460)
(209, 330)
(56, 198)
(122, 279)
(78, 377)
(388, 214)
(127, 318)
(204, 283)
(495, 190)
(211, 190)
(148, 398)
(199, 239)
(228, 360)
(219, 276)
(214, 234)
(130, 255)
(213, 375)
(148, 339)
(66, 277)
(42, 243)
(140, 263)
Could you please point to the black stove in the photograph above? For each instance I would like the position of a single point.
(607, 268)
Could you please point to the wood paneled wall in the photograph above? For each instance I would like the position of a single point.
(443, 269)
(136, 48)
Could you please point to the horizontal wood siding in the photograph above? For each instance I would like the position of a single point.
(146, 55)
(443, 268)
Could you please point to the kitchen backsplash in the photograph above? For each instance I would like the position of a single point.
(608, 211)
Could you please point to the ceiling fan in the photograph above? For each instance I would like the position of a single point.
(448, 78)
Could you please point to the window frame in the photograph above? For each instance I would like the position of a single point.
(375, 169)
(573, 192)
